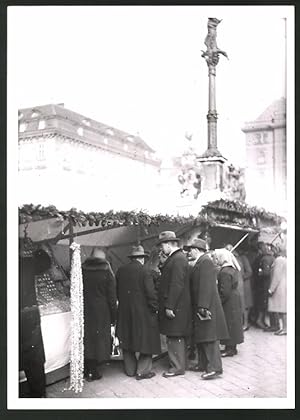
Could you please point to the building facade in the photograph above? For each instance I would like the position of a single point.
(266, 154)
(69, 160)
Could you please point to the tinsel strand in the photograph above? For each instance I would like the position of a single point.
(77, 322)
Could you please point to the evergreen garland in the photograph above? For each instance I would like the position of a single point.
(221, 211)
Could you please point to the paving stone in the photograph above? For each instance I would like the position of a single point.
(257, 371)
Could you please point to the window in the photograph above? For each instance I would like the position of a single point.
(258, 136)
(86, 122)
(109, 131)
(80, 131)
(22, 127)
(42, 124)
(41, 152)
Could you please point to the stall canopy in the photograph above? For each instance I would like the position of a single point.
(224, 221)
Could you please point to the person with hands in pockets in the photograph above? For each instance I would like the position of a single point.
(174, 302)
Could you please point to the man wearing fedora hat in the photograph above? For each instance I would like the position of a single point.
(174, 302)
(137, 325)
(208, 316)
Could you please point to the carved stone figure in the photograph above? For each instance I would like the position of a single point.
(212, 52)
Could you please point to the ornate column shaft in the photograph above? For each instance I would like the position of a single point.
(211, 56)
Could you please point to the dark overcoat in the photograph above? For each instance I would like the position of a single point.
(137, 325)
(247, 275)
(100, 304)
(174, 293)
(204, 294)
(263, 281)
(231, 301)
(30, 334)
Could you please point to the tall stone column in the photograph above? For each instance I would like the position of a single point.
(211, 56)
(212, 161)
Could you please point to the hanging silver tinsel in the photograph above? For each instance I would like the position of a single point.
(77, 322)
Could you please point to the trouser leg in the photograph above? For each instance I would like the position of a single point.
(144, 364)
(130, 362)
(246, 317)
(36, 378)
(177, 354)
(202, 360)
(213, 356)
(274, 320)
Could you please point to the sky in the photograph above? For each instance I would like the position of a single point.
(139, 68)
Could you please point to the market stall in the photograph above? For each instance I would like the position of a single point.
(55, 232)
(220, 222)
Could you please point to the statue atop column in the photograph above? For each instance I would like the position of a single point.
(212, 52)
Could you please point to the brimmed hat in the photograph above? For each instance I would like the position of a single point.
(167, 236)
(137, 251)
(198, 243)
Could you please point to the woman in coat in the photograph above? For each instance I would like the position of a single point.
(277, 290)
(241, 290)
(230, 298)
(137, 326)
(100, 306)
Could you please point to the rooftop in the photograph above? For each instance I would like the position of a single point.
(273, 116)
(57, 118)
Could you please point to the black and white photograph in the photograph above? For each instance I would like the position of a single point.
(150, 207)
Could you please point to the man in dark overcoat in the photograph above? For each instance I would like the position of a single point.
(137, 324)
(100, 311)
(208, 316)
(32, 261)
(174, 303)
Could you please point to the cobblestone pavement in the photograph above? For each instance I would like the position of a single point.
(259, 370)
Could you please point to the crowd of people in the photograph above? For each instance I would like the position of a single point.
(202, 301)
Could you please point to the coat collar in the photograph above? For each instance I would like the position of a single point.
(201, 259)
(170, 256)
(94, 264)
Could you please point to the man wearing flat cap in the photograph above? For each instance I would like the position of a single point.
(137, 325)
(208, 316)
(174, 302)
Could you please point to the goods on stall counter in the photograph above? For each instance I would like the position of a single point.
(51, 295)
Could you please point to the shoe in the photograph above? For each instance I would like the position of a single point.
(280, 332)
(93, 376)
(261, 325)
(270, 329)
(228, 353)
(141, 376)
(172, 374)
(211, 375)
(197, 368)
(246, 328)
